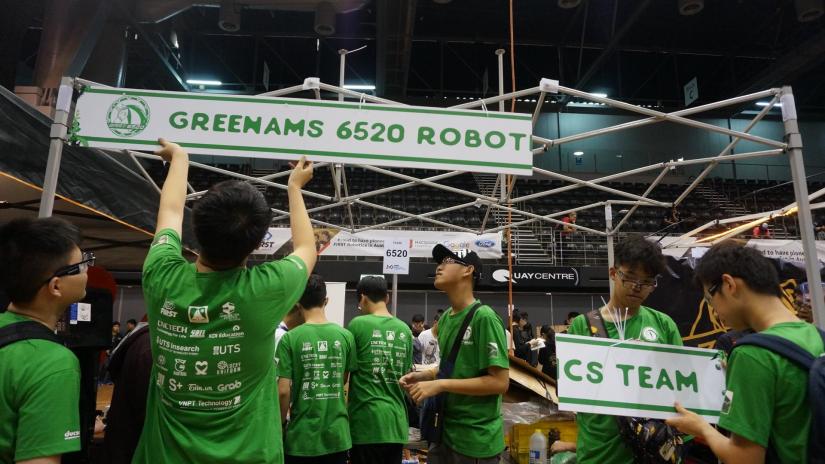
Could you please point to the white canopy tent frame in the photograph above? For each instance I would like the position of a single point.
(792, 145)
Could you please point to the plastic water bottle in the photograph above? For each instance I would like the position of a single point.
(538, 448)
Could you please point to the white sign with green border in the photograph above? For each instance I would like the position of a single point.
(286, 128)
(637, 379)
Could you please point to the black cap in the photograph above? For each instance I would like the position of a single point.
(462, 256)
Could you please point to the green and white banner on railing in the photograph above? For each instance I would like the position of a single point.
(286, 128)
(638, 379)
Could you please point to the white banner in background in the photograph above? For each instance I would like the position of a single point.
(638, 379)
(286, 128)
(333, 242)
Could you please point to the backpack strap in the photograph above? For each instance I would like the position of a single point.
(783, 347)
(596, 321)
(27, 330)
(450, 359)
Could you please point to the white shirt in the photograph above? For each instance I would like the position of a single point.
(429, 347)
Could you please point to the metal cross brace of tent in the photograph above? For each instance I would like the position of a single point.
(792, 145)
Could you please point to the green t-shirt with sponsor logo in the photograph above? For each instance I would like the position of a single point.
(473, 424)
(317, 358)
(377, 410)
(767, 400)
(599, 441)
(213, 396)
(39, 392)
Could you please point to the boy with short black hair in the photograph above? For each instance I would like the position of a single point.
(766, 405)
(377, 409)
(472, 427)
(637, 265)
(314, 361)
(212, 322)
(43, 272)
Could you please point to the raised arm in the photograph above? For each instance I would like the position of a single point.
(173, 194)
(303, 239)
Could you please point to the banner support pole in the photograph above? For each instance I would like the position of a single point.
(58, 138)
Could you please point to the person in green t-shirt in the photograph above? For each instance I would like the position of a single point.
(314, 362)
(473, 428)
(637, 263)
(213, 394)
(377, 409)
(766, 403)
(43, 272)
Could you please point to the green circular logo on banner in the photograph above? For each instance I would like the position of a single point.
(128, 116)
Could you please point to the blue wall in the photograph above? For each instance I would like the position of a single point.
(632, 148)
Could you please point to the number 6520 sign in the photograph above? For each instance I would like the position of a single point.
(396, 256)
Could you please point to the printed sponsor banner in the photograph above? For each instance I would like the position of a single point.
(638, 379)
(332, 242)
(286, 128)
(533, 276)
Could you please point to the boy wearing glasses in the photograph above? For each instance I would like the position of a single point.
(473, 429)
(212, 396)
(43, 272)
(637, 264)
(766, 405)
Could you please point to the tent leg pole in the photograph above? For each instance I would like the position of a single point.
(58, 138)
(800, 188)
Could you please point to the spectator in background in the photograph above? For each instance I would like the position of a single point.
(570, 316)
(43, 272)
(762, 231)
(547, 355)
(566, 229)
(130, 326)
(116, 336)
(429, 343)
(417, 327)
(130, 367)
(819, 230)
(293, 319)
(521, 337)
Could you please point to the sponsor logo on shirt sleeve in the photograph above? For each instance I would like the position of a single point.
(728, 401)
(71, 435)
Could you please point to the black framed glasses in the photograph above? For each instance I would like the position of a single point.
(453, 260)
(712, 291)
(76, 268)
(631, 284)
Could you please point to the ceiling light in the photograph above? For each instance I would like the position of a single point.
(578, 153)
(359, 86)
(768, 103)
(203, 82)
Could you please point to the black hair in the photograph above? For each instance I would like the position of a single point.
(131, 321)
(436, 317)
(523, 315)
(116, 323)
(418, 318)
(230, 222)
(573, 315)
(545, 329)
(636, 251)
(516, 316)
(748, 264)
(373, 287)
(31, 250)
(315, 292)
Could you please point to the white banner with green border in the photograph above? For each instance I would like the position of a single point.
(638, 379)
(286, 128)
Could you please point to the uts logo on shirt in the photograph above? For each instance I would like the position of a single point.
(649, 334)
(198, 314)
